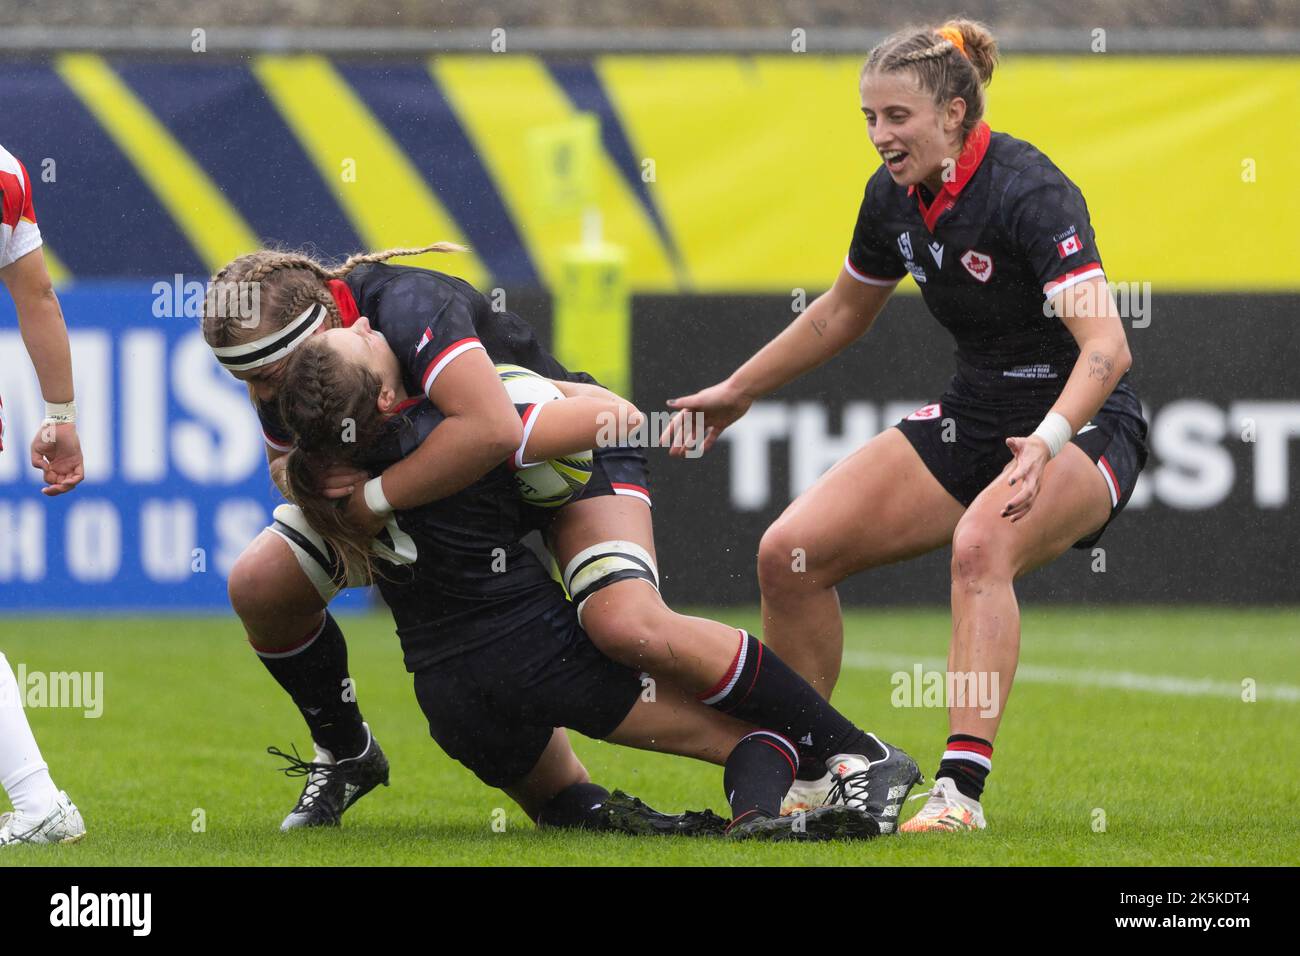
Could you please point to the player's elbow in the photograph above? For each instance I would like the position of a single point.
(1123, 357)
(1109, 352)
(504, 436)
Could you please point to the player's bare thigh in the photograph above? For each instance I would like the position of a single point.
(1072, 502)
(607, 614)
(628, 620)
(580, 524)
(875, 507)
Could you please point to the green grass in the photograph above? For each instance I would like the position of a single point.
(1182, 779)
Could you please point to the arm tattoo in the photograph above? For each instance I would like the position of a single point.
(819, 326)
(1100, 366)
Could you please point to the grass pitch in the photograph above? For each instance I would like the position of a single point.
(1126, 741)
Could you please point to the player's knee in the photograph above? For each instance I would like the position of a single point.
(783, 561)
(979, 554)
(625, 618)
(251, 593)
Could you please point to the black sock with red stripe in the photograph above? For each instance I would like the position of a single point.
(315, 675)
(761, 689)
(758, 774)
(967, 761)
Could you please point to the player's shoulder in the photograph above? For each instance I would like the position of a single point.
(1019, 168)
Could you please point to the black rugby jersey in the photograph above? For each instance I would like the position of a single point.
(428, 319)
(1008, 226)
(473, 581)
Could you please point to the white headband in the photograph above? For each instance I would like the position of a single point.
(273, 347)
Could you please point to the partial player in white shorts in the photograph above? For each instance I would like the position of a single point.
(42, 813)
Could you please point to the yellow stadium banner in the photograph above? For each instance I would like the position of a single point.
(593, 314)
(563, 160)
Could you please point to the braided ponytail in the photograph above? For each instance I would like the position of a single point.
(365, 258)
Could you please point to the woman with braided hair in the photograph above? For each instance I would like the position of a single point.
(1035, 445)
(441, 332)
(499, 659)
(281, 584)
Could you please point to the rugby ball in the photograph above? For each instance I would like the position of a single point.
(552, 483)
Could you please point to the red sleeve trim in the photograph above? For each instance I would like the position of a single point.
(1073, 277)
(445, 358)
(866, 277)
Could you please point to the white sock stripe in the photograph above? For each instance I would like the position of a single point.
(740, 667)
(782, 741)
(276, 655)
(970, 756)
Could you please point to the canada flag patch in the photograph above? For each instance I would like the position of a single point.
(978, 265)
(1069, 247)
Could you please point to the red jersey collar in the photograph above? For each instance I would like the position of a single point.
(972, 154)
(348, 310)
(404, 405)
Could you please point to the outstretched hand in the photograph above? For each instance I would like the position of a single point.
(702, 417)
(1026, 474)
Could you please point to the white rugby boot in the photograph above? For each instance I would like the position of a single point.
(947, 811)
(878, 787)
(63, 824)
(805, 795)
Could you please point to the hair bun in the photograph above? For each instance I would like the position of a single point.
(974, 41)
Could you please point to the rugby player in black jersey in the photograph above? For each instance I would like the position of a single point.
(442, 332)
(1037, 441)
(500, 660)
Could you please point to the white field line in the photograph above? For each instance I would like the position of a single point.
(1112, 680)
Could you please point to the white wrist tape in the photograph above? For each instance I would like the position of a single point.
(61, 413)
(1055, 430)
(375, 500)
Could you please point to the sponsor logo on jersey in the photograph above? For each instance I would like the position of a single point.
(918, 273)
(936, 250)
(978, 265)
(905, 245)
(925, 413)
(425, 339)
